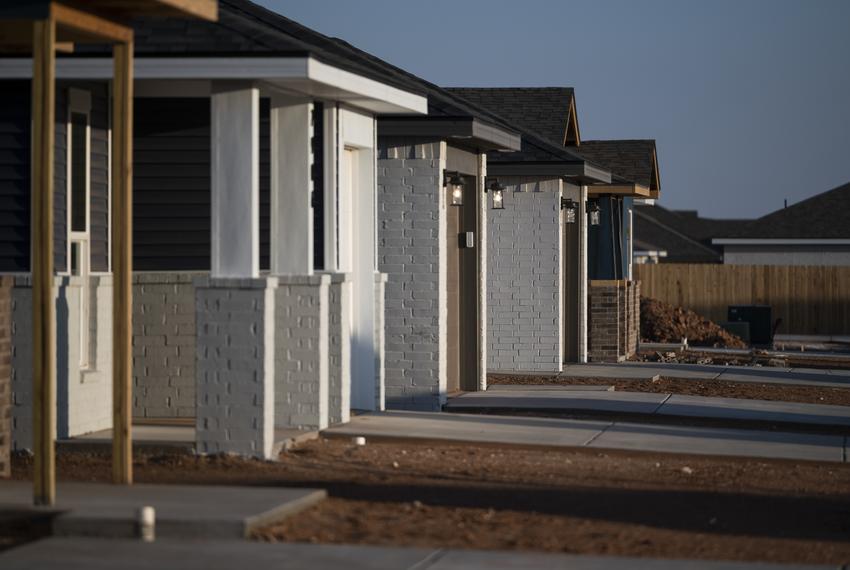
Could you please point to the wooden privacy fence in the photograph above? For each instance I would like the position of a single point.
(809, 299)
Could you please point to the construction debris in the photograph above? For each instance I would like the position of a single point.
(662, 322)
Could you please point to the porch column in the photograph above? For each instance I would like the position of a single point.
(302, 322)
(234, 307)
(44, 310)
(235, 133)
(122, 263)
(291, 187)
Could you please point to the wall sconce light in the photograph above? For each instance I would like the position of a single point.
(498, 194)
(454, 181)
(593, 212)
(570, 207)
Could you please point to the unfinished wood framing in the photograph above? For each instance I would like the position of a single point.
(122, 262)
(43, 307)
(636, 190)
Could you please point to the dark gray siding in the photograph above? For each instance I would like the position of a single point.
(318, 176)
(172, 184)
(60, 176)
(99, 210)
(14, 176)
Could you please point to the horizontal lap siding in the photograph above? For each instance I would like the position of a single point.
(99, 211)
(172, 185)
(60, 189)
(14, 176)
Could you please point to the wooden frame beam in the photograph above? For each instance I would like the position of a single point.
(122, 262)
(91, 27)
(637, 190)
(43, 304)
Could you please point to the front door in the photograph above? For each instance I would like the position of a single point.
(570, 251)
(462, 249)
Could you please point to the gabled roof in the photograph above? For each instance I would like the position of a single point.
(824, 216)
(548, 111)
(634, 159)
(672, 236)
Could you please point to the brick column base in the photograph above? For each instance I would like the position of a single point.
(235, 319)
(301, 352)
(605, 321)
(339, 348)
(6, 284)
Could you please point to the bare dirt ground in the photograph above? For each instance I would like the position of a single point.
(713, 388)
(579, 501)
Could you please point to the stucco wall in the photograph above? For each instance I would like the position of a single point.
(524, 313)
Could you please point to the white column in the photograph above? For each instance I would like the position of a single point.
(331, 157)
(581, 218)
(235, 180)
(291, 187)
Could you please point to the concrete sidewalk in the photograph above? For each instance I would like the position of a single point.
(654, 405)
(753, 374)
(94, 554)
(561, 433)
(182, 511)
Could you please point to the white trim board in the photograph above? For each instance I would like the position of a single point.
(780, 241)
(302, 74)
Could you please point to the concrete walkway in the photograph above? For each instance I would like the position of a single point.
(565, 433)
(754, 374)
(94, 554)
(91, 509)
(654, 405)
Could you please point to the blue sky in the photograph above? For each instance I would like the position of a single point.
(749, 100)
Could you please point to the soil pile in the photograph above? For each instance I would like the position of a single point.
(662, 322)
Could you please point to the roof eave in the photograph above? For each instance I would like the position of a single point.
(468, 131)
(581, 172)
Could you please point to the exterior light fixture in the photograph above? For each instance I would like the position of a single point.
(570, 207)
(498, 194)
(454, 181)
(593, 213)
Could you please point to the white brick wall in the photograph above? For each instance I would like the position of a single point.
(84, 397)
(524, 278)
(164, 345)
(235, 320)
(301, 353)
(339, 348)
(410, 238)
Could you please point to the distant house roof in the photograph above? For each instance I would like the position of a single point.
(548, 111)
(670, 237)
(824, 216)
(633, 159)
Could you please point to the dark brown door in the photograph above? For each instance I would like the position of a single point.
(462, 290)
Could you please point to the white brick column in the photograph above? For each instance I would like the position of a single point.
(301, 352)
(235, 320)
(235, 178)
(339, 348)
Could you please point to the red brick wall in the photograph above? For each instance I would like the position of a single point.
(613, 320)
(5, 374)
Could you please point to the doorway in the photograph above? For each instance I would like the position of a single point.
(571, 289)
(462, 247)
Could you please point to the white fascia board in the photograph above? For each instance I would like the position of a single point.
(367, 88)
(780, 241)
(649, 253)
(349, 87)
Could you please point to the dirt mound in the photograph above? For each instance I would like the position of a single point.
(662, 322)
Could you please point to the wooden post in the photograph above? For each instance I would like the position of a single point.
(122, 262)
(44, 310)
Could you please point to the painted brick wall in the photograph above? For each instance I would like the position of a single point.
(524, 272)
(380, 342)
(235, 365)
(339, 349)
(163, 345)
(301, 353)
(5, 375)
(410, 237)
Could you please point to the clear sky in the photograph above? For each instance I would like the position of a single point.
(749, 100)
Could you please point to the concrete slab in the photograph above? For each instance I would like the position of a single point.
(547, 388)
(90, 509)
(480, 560)
(97, 554)
(753, 410)
(469, 428)
(721, 441)
(436, 426)
(93, 554)
(610, 402)
(642, 370)
(798, 377)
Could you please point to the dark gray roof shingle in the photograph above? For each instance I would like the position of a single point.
(632, 159)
